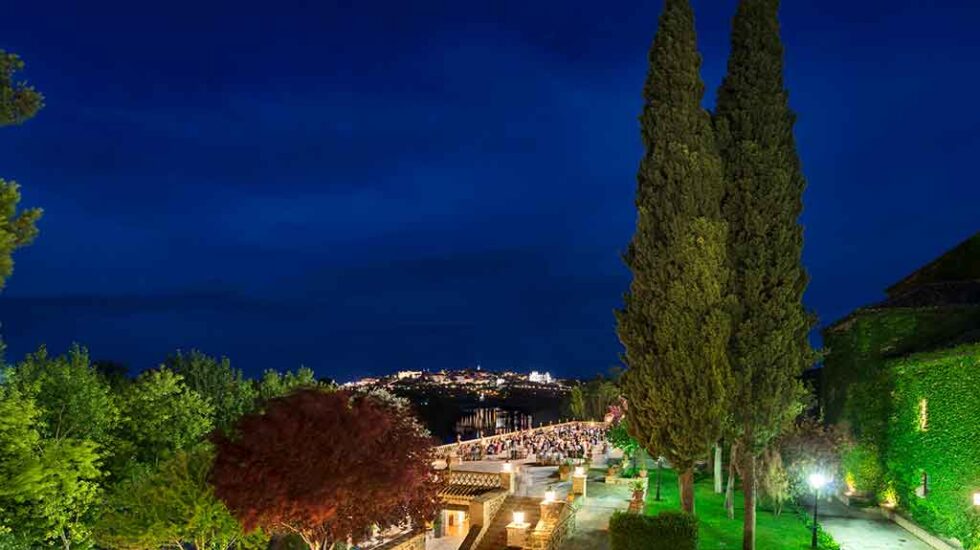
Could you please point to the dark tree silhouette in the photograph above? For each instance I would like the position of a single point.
(327, 465)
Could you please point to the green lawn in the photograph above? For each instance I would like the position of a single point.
(787, 532)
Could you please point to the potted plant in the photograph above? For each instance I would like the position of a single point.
(638, 487)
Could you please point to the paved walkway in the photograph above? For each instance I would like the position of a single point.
(591, 521)
(857, 529)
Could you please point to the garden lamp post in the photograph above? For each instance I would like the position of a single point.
(659, 464)
(817, 481)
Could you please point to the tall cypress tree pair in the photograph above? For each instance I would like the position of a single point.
(763, 202)
(674, 325)
(713, 324)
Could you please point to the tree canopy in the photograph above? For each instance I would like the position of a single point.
(159, 416)
(74, 400)
(18, 103)
(172, 506)
(48, 487)
(225, 388)
(290, 468)
(674, 325)
(763, 202)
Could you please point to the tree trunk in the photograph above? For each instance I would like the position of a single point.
(730, 489)
(659, 469)
(686, 481)
(719, 482)
(748, 489)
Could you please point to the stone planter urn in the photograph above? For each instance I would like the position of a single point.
(564, 472)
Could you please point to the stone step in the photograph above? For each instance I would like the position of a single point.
(496, 537)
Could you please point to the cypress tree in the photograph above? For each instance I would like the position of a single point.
(673, 325)
(763, 202)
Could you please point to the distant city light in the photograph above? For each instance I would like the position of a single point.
(539, 377)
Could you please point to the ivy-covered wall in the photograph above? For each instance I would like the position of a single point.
(934, 429)
(855, 383)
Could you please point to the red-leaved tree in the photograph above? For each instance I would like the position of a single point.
(327, 466)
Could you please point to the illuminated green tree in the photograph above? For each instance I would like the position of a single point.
(769, 347)
(73, 399)
(18, 102)
(225, 388)
(172, 506)
(276, 384)
(159, 416)
(576, 403)
(674, 326)
(49, 488)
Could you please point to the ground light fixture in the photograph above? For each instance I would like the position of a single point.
(579, 471)
(508, 467)
(550, 496)
(817, 481)
(518, 518)
(976, 499)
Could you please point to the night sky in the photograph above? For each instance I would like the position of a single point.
(375, 186)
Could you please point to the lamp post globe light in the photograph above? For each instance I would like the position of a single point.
(976, 499)
(817, 481)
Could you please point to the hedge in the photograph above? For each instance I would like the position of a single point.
(665, 531)
(941, 390)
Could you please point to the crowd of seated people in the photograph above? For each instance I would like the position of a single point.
(550, 445)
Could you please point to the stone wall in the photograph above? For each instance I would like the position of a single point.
(412, 541)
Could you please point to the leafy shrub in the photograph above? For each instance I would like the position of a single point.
(665, 531)
(824, 540)
(806, 448)
(775, 484)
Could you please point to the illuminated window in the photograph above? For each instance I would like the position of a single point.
(922, 491)
(923, 415)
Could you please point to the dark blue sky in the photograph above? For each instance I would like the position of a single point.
(372, 186)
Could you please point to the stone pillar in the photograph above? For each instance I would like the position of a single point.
(579, 484)
(517, 534)
(440, 527)
(507, 481)
(550, 511)
(476, 512)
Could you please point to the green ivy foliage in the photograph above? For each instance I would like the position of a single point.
(947, 447)
(862, 468)
(857, 384)
(666, 531)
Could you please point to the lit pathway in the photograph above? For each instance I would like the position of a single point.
(856, 529)
(592, 520)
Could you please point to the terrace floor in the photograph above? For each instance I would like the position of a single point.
(859, 530)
